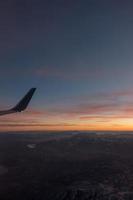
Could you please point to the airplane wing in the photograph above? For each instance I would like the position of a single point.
(22, 104)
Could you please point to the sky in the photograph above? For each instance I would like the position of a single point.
(79, 55)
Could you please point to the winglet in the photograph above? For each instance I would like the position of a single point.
(23, 103)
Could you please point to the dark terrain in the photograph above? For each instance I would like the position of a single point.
(66, 166)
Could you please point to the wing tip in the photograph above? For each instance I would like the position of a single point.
(23, 103)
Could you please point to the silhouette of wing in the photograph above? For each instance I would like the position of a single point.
(22, 104)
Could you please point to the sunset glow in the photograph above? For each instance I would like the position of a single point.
(79, 57)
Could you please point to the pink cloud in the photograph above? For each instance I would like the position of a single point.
(68, 73)
(76, 73)
(91, 108)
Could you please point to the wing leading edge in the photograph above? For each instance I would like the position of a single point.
(22, 104)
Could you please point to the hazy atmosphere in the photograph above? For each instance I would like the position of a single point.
(79, 56)
(68, 65)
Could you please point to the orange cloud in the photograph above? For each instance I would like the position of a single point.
(95, 115)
